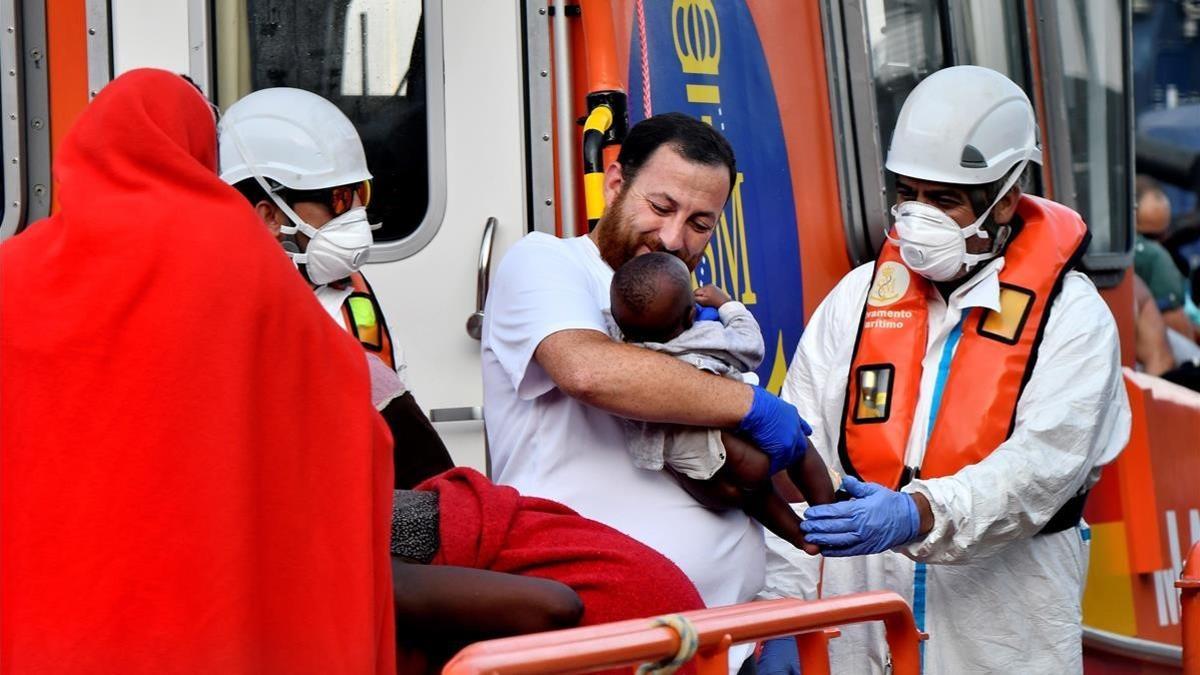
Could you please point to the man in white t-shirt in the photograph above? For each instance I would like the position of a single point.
(555, 383)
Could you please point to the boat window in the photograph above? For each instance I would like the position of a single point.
(910, 40)
(889, 46)
(992, 34)
(366, 56)
(905, 40)
(1086, 67)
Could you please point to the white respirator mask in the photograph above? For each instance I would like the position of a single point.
(933, 245)
(337, 249)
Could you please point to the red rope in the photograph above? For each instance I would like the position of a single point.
(641, 20)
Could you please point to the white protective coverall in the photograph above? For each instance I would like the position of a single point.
(996, 597)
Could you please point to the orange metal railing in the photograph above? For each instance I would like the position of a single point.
(1189, 601)
(629, 643)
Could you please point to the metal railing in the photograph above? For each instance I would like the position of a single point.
(638, 641)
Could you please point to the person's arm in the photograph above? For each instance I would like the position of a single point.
(644, 385)
(464, 604)
(820, 365)
(768, 508)
(811, 476)
(743, 483)
(418, 452)
(1177, 320)
(742, 337)
(1150, 333)
(1073, 416)
(719, 493)
(1169, 287)
(545, 328)
(638, 383)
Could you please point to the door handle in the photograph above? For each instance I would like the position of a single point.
(469, 413)
(475, 321)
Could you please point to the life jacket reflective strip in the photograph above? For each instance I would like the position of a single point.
(364, 319)
(993, 362)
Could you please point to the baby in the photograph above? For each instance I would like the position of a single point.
(654, 306)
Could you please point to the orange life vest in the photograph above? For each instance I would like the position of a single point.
(993, 362)
(364, 319)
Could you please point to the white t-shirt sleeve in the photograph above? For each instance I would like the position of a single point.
(539, 289)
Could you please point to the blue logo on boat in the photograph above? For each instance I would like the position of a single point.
(706, 60)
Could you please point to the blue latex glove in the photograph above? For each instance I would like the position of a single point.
(707, 313)
(877, 519)
(779, 657)
(776, 428)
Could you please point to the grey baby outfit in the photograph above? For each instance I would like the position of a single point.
(731, 348)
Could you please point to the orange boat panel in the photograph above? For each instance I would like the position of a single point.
(66, 56)
(795, 49)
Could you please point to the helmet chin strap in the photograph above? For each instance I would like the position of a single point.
(299, 225)
(1002, 231)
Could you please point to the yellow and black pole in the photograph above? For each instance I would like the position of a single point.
(597, 124)
(605, 125)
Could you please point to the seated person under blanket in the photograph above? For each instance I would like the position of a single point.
(654, 306)
(472, 560)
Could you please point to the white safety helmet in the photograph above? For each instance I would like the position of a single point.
(292, 137)
(964, 125)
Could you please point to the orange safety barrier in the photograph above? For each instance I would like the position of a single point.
(1189, 601)
(637, 641)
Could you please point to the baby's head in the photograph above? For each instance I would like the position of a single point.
(652, 298)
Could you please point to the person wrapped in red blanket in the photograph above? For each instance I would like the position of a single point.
(478, 524)
(192, 476)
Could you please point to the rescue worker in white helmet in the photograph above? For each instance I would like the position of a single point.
(299, 161)
(968, 385)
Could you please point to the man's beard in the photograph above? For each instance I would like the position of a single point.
(619, 242)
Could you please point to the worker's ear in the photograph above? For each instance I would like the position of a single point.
(270, 215)
(1007, 206)
(614, 179)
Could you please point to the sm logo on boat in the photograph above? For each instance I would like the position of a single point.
(705, 59)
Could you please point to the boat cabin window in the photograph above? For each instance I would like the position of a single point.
(905, 42)
(1081, 97)
(366, 56)
(1086, 81)
(910, 40)
(992, 34)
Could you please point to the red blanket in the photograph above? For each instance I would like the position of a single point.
(488, 526)
(192, 477)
